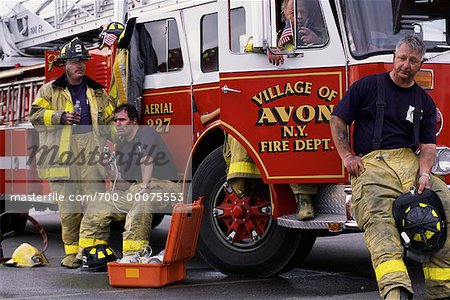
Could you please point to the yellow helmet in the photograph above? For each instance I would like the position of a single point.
(27, 256)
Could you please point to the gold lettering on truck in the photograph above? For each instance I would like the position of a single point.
(295, 137)
(156, 109)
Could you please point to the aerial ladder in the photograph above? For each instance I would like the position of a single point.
(29, 29)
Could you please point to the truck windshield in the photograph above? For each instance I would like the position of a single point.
(369, 25)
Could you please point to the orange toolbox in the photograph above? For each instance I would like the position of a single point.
(180, 246)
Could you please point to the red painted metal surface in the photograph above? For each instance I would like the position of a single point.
(283, 121)
(169, 112)
(243, 218)
(21, 178)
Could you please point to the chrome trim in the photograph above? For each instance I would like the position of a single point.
(441, 116)
(321, 221)
(226, 89)
(435, 169)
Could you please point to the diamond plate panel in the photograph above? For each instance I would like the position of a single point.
(330, 200)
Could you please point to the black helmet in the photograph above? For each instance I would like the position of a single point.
(73, 49)
(421, 222)
(95, 259)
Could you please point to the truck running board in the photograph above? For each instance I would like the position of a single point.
(330, 222)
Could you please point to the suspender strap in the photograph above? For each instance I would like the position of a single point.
(417, 115)
(379, 117)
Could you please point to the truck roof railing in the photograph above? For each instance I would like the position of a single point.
(16, 99)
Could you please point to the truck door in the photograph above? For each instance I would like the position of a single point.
(201, 23)
(281, 113)
(166, 98)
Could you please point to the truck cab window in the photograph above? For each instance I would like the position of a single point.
(210, 44)
(311, 29)
(370, 28)
(166, 43)
(238, 29)
(307, 18)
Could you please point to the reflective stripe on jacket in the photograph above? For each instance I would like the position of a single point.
(52, 100)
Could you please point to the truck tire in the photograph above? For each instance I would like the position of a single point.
(11, 222)
(267, 255)
(303, 249)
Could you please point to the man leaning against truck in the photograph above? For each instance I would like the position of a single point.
(382, 169)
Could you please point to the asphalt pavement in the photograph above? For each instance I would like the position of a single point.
(338, 267)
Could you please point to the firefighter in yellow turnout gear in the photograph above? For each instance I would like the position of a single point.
(53, 116)
(243, 173)
(399, 168)
(243, 176)
(389, 112)
(143, 169)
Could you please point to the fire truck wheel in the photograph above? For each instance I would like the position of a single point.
(240, 238)
(11, 222)
(305, 246)
(157, 219)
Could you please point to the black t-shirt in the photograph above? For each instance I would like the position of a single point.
(146, 142)
(359, 105)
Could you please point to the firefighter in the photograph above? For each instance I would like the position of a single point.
(242, 171)
(242, 174)
(310, 28)
(286, 37)
(142, 170)
(80, 105)
(392, 116)
(304, 193)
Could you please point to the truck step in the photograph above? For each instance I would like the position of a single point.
(330, 222)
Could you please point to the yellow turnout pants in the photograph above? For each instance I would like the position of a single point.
(85, 179)
(136, 210)
(388, 174)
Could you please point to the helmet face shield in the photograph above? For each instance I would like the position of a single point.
(421, 222)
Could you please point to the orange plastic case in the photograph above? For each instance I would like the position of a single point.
(180, 246)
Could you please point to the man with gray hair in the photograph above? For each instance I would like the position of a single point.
(393, 117)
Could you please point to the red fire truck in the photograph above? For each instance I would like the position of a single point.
(210, 55)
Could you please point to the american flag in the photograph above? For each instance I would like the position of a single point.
(286, 35)
(109, 39)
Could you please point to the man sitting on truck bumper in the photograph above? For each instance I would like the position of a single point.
(144, 169)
